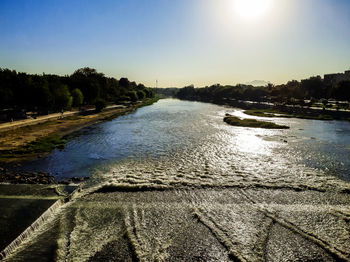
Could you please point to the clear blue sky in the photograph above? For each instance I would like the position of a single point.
(178, 42)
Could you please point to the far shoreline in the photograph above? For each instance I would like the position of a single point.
(262, 109)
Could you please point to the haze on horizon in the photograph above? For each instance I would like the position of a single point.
(180, 42)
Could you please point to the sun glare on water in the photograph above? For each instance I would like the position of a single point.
(252, 9)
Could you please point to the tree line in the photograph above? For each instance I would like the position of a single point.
(52, 93)
(294, 91)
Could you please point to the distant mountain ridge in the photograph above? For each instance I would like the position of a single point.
(258, 83)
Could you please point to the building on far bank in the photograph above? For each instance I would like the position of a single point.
(333, 79)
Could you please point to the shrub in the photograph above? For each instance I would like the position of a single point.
(100, 104)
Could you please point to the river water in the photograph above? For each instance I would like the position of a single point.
(173, 182)
(179, 142)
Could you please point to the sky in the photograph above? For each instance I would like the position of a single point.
(177, 42)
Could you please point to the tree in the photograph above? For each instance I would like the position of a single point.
(148, 92)
(78, 97)
(133, 96)
(140, 94)
(62, 97)
(91, 83)
(86, 71)
(269, 86)
(342, 91)
(187, 92)
(124, 82)
(313, 87)
(44, 98)
(140, 87)
(6, 97)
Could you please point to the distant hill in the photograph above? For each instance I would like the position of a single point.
(258, 83)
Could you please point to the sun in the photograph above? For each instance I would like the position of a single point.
(252, 9)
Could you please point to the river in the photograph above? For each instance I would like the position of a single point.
(188, 142)
(173, 182)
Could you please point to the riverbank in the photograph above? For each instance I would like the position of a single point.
(34, 141)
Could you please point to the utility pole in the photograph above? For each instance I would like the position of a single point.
(157, 83)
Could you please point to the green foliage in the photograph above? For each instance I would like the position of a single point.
(23, 92)
(313, 87)
(149, 92)
(342, 91)
(90, 82)
(122, 99)
(62, 97)
(124, 82)
(189, 92)
(78, 97)
(45, 98)
(133, 96)
(100, 104)
(6, 97)
(140, 87)
(293, 92)
(141, 94)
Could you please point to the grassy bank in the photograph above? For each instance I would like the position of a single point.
(235, 121)
(31, 142)
(302, 115)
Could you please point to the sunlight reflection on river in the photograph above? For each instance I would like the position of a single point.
(252, 144)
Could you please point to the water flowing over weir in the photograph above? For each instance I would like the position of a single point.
(172, 182)
(31, 229)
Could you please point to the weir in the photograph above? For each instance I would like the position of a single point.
(24, 209)
(208, 224)
(31, 229)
